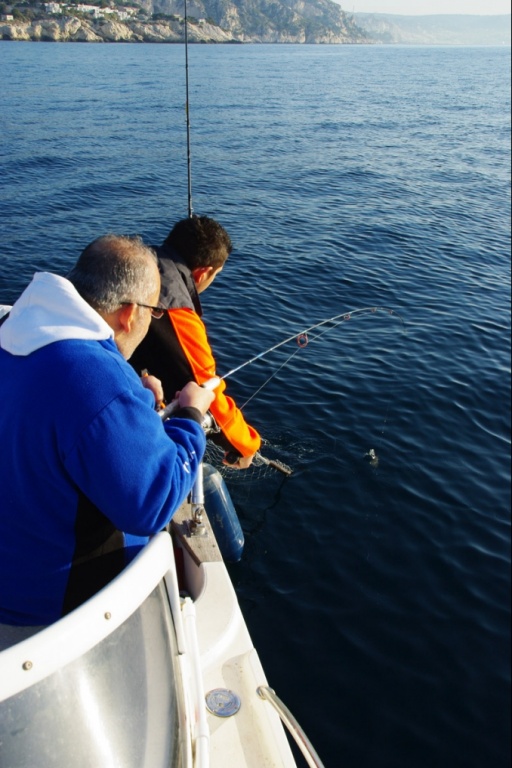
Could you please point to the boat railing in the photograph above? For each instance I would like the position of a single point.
(104, 685)
(298, 735)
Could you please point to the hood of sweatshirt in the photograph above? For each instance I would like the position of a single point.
(50, 309)
(178, 288)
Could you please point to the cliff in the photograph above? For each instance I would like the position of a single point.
(259, 21)
(215, 21)
(76, 30)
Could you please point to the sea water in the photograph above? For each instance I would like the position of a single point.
(376, 586)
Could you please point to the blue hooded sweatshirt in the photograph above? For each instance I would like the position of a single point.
(88, 471)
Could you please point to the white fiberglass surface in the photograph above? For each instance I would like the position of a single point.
(114, 706)
(94, 696)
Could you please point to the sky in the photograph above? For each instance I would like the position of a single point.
(426, 7)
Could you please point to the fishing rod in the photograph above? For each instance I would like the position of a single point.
(302, 339)
(187, 113)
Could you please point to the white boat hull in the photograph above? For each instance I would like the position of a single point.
(121, 681)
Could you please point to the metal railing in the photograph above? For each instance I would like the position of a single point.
(291, 723)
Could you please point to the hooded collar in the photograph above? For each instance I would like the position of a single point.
(50, 309)
(178, 288)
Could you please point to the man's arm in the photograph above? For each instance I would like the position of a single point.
(236, 434)
(136, 469)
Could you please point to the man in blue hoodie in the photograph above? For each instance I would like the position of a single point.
(88, 470)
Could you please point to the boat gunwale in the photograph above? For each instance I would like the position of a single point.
(37, 657)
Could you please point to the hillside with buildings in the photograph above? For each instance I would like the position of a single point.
(239, 21)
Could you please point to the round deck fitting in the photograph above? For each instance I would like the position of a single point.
(222, 702)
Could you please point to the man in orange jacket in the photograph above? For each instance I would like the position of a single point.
(176, 349)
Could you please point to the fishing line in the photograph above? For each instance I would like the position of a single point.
(273, 375)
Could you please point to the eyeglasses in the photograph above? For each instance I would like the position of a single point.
(156, 312)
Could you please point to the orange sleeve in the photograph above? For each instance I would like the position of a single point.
(191, 334)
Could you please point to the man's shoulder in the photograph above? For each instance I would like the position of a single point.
(94, 364)
(75, 350)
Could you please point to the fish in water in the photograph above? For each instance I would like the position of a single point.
(374, 459)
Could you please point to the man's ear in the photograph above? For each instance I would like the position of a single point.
(126, 316)
(200, 274)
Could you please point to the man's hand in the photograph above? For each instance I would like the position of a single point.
(155, 386)
(194, 396)
(240, 462)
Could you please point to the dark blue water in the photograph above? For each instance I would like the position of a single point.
(377, 593)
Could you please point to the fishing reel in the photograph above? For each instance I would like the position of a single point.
(209, 424)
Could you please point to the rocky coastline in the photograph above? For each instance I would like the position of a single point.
(76, 30)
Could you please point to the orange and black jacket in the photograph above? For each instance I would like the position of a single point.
(176, 350)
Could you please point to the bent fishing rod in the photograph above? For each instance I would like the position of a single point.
(302, 340)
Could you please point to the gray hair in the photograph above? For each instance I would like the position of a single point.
(114, 269)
